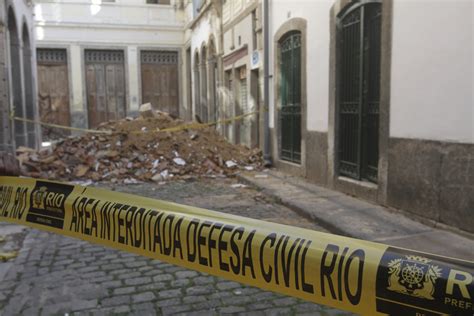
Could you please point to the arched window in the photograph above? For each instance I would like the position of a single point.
(17, 93)
(290, 93)
(358, 89)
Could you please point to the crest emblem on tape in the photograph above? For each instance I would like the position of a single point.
(48, 203)
(38, 197)
(414, 276)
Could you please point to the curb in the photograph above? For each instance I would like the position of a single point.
(333, 229)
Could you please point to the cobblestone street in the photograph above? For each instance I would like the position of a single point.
(55, 275)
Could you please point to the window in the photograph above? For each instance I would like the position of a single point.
(158, 1)
(358, 90)
(197, 4)
(290, 93)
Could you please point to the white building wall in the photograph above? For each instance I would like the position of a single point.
(242, 30)
(432, 70)
(77, 79)
(129, 25)
(238, 33)
(316, 14)
(200, 35)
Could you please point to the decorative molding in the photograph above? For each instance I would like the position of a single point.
(159, 57)
(104, 56)
(49, 55)
(234, 56)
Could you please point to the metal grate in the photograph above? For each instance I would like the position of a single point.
(290, 93)
(159, 57)
(359, 31)
(104, 56)
(49, 55)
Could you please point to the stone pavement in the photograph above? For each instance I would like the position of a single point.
(349, 216)
(56, 275)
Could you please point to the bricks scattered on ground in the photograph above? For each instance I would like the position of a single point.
(132, 150)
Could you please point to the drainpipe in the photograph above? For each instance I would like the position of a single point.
(266, 85)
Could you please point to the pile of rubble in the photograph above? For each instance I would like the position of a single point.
(140, 149)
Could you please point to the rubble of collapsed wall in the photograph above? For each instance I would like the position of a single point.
(151, 147)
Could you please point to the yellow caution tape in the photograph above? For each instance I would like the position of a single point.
(170, 129)
(202, 125)
(4, 256)
(16, 118)
(355, 275)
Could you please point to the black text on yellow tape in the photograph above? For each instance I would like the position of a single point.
(359, 276)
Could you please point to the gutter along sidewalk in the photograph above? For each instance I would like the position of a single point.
(348, 216)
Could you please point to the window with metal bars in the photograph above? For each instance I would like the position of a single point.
(158, 1)
(358, 89)
(290, 94)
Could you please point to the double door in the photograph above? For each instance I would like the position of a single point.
(105, 81)
(159, 75)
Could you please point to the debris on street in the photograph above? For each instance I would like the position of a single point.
(238, 186)
(140, 149)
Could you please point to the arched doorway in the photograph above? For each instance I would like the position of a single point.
(16, 91)
(290, 94)
(28, 81)
(358, 89)
(197, 88)
(213, 77)
(204, 100)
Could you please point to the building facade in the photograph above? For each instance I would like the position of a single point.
(204, 50)
(17, 76)
(243, 70)
(224, 47)
(362, 96)
(365, 100)
(99, 60)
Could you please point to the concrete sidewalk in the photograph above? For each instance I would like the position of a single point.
(345, 215)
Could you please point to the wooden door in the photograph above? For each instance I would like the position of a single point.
(159, 72)
(53, 91)
(105, 84)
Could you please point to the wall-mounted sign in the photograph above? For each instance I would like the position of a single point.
(255, 59)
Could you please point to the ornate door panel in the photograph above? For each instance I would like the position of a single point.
(105, 83)
(159, 71)
(53, 91)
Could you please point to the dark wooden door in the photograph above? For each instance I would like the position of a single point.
(53, 91)
(159, 72)
(105, 80)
